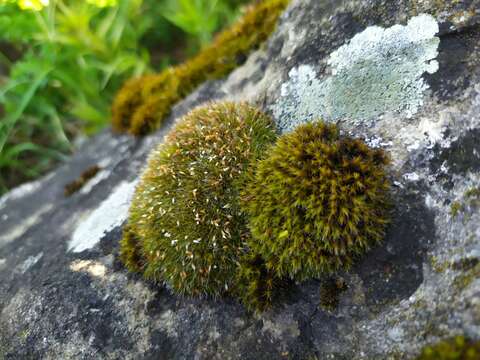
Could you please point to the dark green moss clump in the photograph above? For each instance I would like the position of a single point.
(316, 202)
(131, 253)
(142, 104)
(457, 348)
(185, 227)
(330, 292)
(256, 286)
(76, 185)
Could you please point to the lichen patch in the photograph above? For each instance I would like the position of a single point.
(378, 71)
(93, 268)
(20, 192)
(22, 227)
(29, 262)
(111, 213)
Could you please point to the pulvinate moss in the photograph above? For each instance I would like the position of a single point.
(316, 202)
(188, 229)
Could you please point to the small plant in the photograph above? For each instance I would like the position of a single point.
(316, 202)
(141, 106)
(457, 348)
(185, 226)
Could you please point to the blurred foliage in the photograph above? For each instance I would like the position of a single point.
(61, 62)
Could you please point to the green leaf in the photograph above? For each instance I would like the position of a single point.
(9, 121)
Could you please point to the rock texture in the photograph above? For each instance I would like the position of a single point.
(64, 294)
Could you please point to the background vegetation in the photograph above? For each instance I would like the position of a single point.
(61, 62)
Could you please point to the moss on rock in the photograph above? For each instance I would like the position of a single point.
(255, 285)
(316, 202)
(185, 213)
(457, 348)
(142, 104)
(74, 186)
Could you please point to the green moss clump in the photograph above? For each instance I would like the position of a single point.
(255, 285)
(188, 229)
(316, 202)
(457, 348)
(143, 103)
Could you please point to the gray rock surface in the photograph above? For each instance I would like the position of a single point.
(64, 294)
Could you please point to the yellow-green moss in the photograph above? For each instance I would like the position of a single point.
(457, 348)
(188, 229)
(317, 201)
(143, 103)
(455, 208)
(464, 279)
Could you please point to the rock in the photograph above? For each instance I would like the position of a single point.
(385, 71)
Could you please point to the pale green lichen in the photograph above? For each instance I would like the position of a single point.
(378, 71)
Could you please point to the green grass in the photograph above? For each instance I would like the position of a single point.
(61, 65)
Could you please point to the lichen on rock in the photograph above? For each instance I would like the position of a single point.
(378, 71)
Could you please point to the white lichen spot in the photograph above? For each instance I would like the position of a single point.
(281, 327)
(411, 176)
(92, 267)
(111, 213)
(396, 334)
(21, 191)
(3, 263)
(378, 71)
(27, 264)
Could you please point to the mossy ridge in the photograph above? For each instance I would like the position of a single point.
(457, 348)
(316, 202)
(142, 104)
(186, 211)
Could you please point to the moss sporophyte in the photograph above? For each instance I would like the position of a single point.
(143, 103)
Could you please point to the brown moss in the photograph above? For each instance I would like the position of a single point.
(77, 184)
(330, 292)
(143, 103)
